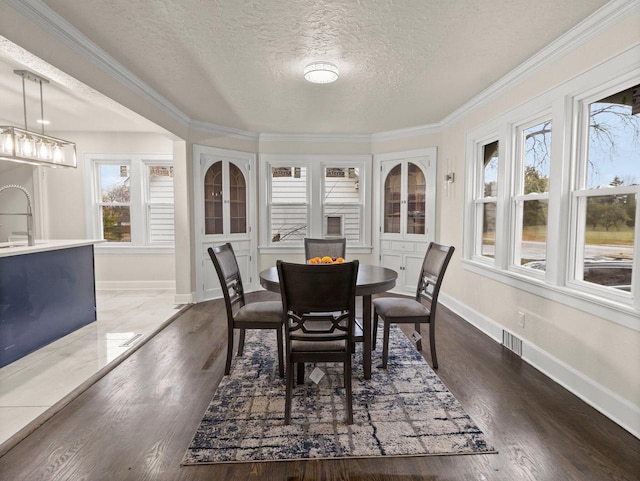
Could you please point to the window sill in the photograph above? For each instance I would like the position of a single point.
(623, 314)
(108, 249)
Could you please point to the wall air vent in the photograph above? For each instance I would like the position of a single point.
(512, 343)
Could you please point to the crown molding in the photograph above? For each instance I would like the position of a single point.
(318, 138)
(54, 24)
(224, 130)
(418, 130)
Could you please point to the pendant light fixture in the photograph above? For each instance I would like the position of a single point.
(23, 145)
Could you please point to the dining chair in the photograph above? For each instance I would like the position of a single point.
(319, 306)
(240, 315)
(418, 310)
(332, 247)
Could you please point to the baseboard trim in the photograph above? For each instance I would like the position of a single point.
(619, 410)
(184, 298)
(134, 285)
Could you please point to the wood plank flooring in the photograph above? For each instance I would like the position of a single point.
(135, 423)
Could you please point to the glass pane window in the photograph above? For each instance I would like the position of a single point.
(488, 240)
(531, 196)
(537, 158)
(116, 223)
(614, 141)
(289, 207)
(533, 238)
(341, 204)
(341, 185)
(115, 199)
(608, 241)
(160, 206)
(490, 170)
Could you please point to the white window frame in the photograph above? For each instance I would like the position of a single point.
(580, 194)
(138, 169)
(315, 165)
(558, 283)
(518, 198)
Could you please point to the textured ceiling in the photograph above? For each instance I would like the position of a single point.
(403, 63)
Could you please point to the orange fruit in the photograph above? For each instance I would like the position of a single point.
(339, 259)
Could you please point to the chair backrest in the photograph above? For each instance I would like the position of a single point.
(434, 266)
(224, 260)
(318, 299)
(332, 247)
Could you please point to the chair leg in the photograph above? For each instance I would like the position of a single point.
(227, 367)
(432, 344)
(348, 390)
(280, 351)
(300, 370)
(241, 342)
(385, 344)
(374, 335)
(287, 401)
(419, 343)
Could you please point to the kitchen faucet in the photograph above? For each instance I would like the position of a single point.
(28, 213)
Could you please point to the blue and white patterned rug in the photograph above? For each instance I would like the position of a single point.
(404, 410)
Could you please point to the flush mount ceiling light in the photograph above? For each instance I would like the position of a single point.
(26, 146)
(321, 72)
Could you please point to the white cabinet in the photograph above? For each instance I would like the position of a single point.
(224, 213)
(405, 212)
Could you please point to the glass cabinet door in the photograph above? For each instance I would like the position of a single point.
(213, 219)
(405, 199)
(238, 200)
(225, 199)
(392, 200)
(416, 191)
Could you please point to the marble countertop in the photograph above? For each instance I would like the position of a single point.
(18, 248)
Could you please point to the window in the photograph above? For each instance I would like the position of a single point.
(607, 194)
(530, 202)
(341, 203)
(486, 200)
(133, 199)
(567, 229)
(314, 196)
(114, 202)
(289, 206)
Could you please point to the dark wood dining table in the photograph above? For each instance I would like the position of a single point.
(371, 280)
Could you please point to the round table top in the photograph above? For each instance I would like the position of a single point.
(371, 279)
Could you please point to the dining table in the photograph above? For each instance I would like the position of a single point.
(371, 280)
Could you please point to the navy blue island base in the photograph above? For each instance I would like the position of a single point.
(43, 297)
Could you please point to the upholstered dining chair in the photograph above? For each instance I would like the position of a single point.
(332, 247)
(319, 306)
(418, 310)
(240, 315)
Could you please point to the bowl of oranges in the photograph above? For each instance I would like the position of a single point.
(325, 260)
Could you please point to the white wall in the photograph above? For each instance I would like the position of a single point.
(597, 359)
(68, 198)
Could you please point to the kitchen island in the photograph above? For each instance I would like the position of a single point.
(46, 292)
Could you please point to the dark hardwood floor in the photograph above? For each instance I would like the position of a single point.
(135, 423)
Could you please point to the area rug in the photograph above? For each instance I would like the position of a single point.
(404, 410)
